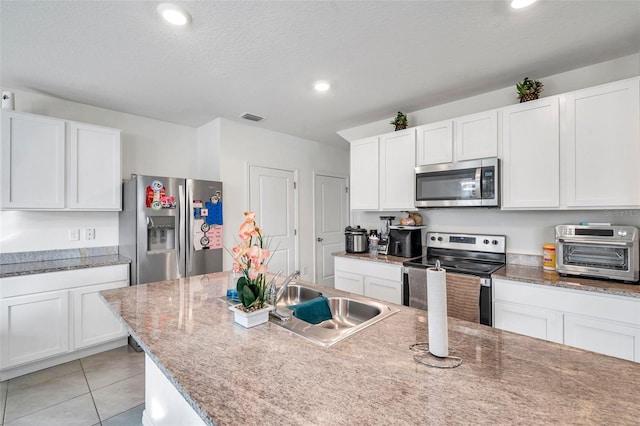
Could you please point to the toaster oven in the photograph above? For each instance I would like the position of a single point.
(598, 251)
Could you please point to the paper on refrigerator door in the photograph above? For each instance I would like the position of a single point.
(437, 312)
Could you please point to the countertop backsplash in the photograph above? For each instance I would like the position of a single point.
(46, 255)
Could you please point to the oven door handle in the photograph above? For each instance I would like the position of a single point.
(597, 243)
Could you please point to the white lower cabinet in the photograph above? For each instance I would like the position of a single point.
(93, 322)
(48, 319)
(596, 322)
(369, 278)
(33, 327)
(605, 337)
(529, 320)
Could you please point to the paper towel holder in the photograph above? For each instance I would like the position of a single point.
(425, 357)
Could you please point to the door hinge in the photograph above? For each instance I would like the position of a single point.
(346, 189)
(295, 232)
(295, 185)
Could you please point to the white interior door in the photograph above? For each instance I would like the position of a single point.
(330, 204)
(272, 198)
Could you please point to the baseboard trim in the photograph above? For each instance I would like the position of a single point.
(21, 370)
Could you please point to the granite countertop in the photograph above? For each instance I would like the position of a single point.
(536, 275)
(267, 375)
(396, 260)
(44, 266)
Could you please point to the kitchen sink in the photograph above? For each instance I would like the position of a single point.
(350, 314)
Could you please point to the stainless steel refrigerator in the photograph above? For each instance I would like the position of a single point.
(171, 228)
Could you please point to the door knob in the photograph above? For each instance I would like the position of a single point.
(320, 240)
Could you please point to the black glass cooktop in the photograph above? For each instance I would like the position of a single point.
(457, 265)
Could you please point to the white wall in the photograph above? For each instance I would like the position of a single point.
(207, 164)
(525, 231)
(148, 147)
(617, 69)
(241, 145)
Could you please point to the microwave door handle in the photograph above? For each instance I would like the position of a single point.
(478, 183)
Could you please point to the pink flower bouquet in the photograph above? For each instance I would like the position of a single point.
(250, 258)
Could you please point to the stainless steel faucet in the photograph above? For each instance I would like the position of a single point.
(283, 288)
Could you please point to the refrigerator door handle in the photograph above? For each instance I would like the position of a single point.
(179, 235)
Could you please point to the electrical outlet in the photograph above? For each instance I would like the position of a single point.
(305, 270)
(74, 234)
(91, 233)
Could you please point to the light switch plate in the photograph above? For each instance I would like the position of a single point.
(74, 234)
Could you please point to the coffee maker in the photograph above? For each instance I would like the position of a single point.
(385, 226)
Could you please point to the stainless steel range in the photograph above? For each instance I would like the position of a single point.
(469, 259)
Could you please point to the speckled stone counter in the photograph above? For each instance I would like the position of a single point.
(267, 375)
(536, 275)
(44, 266)
(378, 258)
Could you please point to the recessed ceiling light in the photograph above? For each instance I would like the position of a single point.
(321, 86)
(519, 4)
(174, 14)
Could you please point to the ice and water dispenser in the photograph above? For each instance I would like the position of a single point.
(161, 233)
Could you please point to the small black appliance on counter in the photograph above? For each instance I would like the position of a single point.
(405, 241)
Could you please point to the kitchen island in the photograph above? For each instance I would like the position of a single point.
(267, 375)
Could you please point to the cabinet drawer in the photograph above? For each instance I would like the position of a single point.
(37, 283)
(369, 268)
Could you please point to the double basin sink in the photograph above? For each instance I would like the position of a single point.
(350, 314)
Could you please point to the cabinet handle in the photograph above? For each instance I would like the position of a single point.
(320, 240)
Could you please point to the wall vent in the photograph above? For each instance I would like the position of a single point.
(252, 117)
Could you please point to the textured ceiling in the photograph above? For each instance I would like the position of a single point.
(261, 57)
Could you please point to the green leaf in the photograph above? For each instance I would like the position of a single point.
(247, 297)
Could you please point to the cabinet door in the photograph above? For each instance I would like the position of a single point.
(94, 168)
(530, 155)
(476, 136)
(434, 143)
(387, 290)
(33, 327)
(93, 322)
(33, 156)
(605, 337)
(528, 320)
(365, 174)
(346, 281)
(397, 170)
(603, 152)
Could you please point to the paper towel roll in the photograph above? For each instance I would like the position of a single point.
(437, 312)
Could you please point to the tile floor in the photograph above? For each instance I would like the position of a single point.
(104, 389)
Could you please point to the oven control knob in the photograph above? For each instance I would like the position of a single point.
(622, 233)
(439, 238)
(494, 242)
(433, 238)
(486, 241)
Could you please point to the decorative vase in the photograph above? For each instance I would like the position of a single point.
(529, 97)
(250, 319)
(400, 127)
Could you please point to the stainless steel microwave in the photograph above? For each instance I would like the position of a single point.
(472, 183)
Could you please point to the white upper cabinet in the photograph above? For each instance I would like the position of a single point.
(52, 164)
(602, 146)
(434, 143)
(397, 170)
(365, 174)
(33, 153)
(476, 136)
(464, 138)
(94, 167)
(531, 155)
